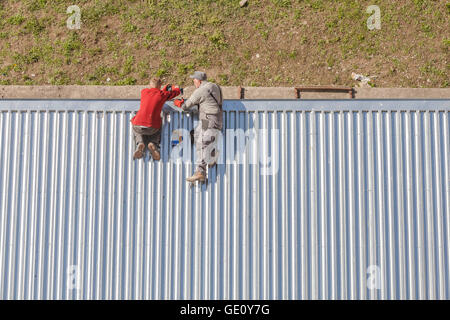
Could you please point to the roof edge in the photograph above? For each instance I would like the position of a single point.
(133, 92)
(122, 105)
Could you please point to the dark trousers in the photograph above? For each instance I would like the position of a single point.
(146, 135)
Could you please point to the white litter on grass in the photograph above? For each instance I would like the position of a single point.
(108, 80)
(257, 55)
(359, 77)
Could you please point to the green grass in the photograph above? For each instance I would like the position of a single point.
(34, 5)
(16, 20)
(71, 44)
(297, 41)
(218, 40)
(35, 26)
(129, 27)
(126, 82)
(59, 77)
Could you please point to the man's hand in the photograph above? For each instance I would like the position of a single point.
(178, 102)
(178, 87)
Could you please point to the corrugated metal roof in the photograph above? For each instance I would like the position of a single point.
(358, 208)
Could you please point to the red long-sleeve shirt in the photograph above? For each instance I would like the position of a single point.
(152, 102)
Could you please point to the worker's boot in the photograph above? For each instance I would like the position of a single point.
(154, 151)
(198, 175)
(139, 153)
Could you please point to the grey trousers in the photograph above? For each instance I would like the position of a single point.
(146, 135)
(206, 137)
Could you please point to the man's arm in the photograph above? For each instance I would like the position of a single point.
(193, 100)
(169, 95)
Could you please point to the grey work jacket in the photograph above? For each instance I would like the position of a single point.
(202, 97)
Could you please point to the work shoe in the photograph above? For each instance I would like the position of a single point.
(154, 151)
(198, 175)
(139, 153)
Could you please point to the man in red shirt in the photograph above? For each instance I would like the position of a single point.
(147, 122)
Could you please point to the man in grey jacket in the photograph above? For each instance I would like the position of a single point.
(208, 97)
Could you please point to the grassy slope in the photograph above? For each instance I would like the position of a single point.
(268, 43)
